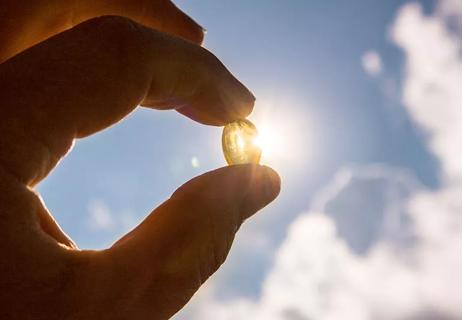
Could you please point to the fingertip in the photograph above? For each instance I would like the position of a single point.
(245, 187)
(239, 99)
(221, 97)
(247, 104)
(246, 95)
(224, 99)
(208, 91)
(214, 111)
(265, 187)
(243, 102)
(273, 183)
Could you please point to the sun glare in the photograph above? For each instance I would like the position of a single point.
(270, 141)
(282, 138)
(277, 138)
(281, 135)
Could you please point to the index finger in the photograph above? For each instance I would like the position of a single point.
(88, 78)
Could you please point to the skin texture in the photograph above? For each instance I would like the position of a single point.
(68, 70)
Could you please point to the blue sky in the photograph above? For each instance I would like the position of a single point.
(306, 56)
(303, 61)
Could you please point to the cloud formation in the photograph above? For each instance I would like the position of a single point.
(431, 90)
(318, 271)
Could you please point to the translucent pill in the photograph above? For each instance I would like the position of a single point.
(239, 143)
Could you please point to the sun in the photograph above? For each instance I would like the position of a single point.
(277, 137)
(270, 140)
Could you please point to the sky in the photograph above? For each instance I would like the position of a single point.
(362, 103)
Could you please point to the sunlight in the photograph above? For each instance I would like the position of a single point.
(240, 142)
(270, 140)
(282, 135)
(275, 139)
(287, 136)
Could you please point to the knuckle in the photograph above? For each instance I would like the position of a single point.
(114, 24)
(211, 60)
(112, 30)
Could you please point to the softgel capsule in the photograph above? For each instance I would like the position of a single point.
(239, 142)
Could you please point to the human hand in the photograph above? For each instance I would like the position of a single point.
(76, 84)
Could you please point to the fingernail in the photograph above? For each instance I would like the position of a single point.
(246, 105)
(271, 184)
(195, 32)
(249, 96)
(253, 96)
(198, 25)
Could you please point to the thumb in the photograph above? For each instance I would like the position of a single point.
(165, 260)
(229, 193)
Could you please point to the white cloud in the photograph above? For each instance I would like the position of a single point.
(372, 63)
(99, 216)
(432, 91)
(407, 265)
(318, 275)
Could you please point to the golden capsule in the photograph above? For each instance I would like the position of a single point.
(239, 143)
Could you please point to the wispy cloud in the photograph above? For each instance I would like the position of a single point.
(372, 63)
(99, 216)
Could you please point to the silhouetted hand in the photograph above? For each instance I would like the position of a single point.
(77, 83)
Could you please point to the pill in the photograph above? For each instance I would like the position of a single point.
(239, 142)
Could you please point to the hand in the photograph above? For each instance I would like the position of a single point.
(77, 83)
